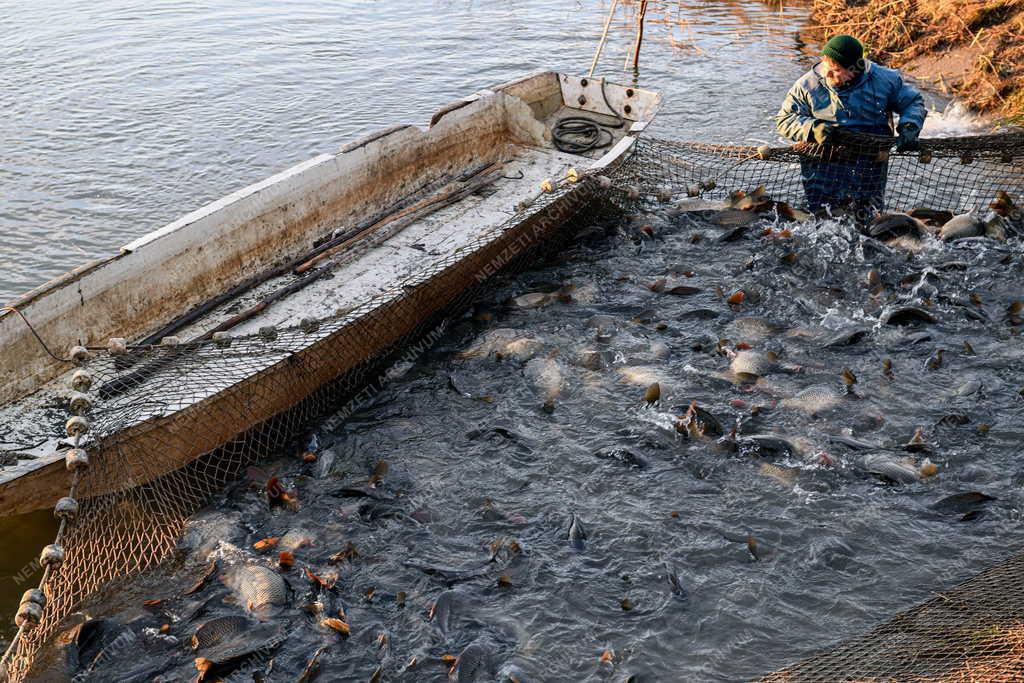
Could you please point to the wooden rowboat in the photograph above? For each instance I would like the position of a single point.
(403, 205)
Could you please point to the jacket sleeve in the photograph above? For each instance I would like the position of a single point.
(908, 103)
(794, 119)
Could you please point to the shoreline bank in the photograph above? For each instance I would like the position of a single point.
(968, 49)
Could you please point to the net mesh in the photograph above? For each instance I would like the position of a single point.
(172, 424)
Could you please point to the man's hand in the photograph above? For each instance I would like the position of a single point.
(907, 140)
(821, 131)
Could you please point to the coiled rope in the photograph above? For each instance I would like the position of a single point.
(582, 134)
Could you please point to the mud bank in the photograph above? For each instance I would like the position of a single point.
(972, 50)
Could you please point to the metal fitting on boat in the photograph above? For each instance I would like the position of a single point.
(633, 192)
(29, 615)
(170, 341)
(76, 459)
(967, 158)
(708, 185)
(764, 152)
(76, 426)
(117, 346)
(222, 339)
(78, 354)
(52, 556)
(81, 380)
(309, 325)
(604, 182)
(80, 403)
(268, 332)
(925, 156)
(66, 508)
(33, 595)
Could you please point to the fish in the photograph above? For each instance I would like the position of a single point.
(674, 582)
(237, 647)
(683, 290)
(968, 388)
(917, 443)
(380, 471)
(698, 422)
(504, 343)
(531, 300)
(755, 200)
(792, 213)
(784, 475)
(848, 336)
(364, 491)
(443, 611)
(735, 234)
(577, 534)
(312, 668)
(906, 315)
(768, 445)
(934, 361)
(732, 217)
(962, 503)
(546, 376)
(591, 359)
(698, 204)
(324, 463)
(640, 375)
(622, 456)
(890, 226)
(931, 217)
(1004, 204)
(890, 470)
(295, 539)
(814, 400)
(653, 393)
(752, 364)
(219, 629)
(212, 568)
(99, 640)
(278, 495)
(959, 227)
(257, 587)
(850, 442)
(472, 662)
(752, 328)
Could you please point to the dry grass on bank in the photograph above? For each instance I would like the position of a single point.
(973, 49)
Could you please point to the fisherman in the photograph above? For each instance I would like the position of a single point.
(847, 92)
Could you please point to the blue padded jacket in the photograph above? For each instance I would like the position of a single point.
(864, 106)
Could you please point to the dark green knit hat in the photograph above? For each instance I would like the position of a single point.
(845, 50)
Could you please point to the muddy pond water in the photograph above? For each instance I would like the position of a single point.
(701, 561)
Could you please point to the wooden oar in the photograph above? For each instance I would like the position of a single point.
(405, 217)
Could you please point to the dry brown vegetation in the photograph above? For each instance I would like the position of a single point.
(972, 49)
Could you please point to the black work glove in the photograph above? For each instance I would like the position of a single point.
(821, 131)
(907, 140)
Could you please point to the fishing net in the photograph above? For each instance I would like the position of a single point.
(170, 424)
(859, 175)
(973, 632)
